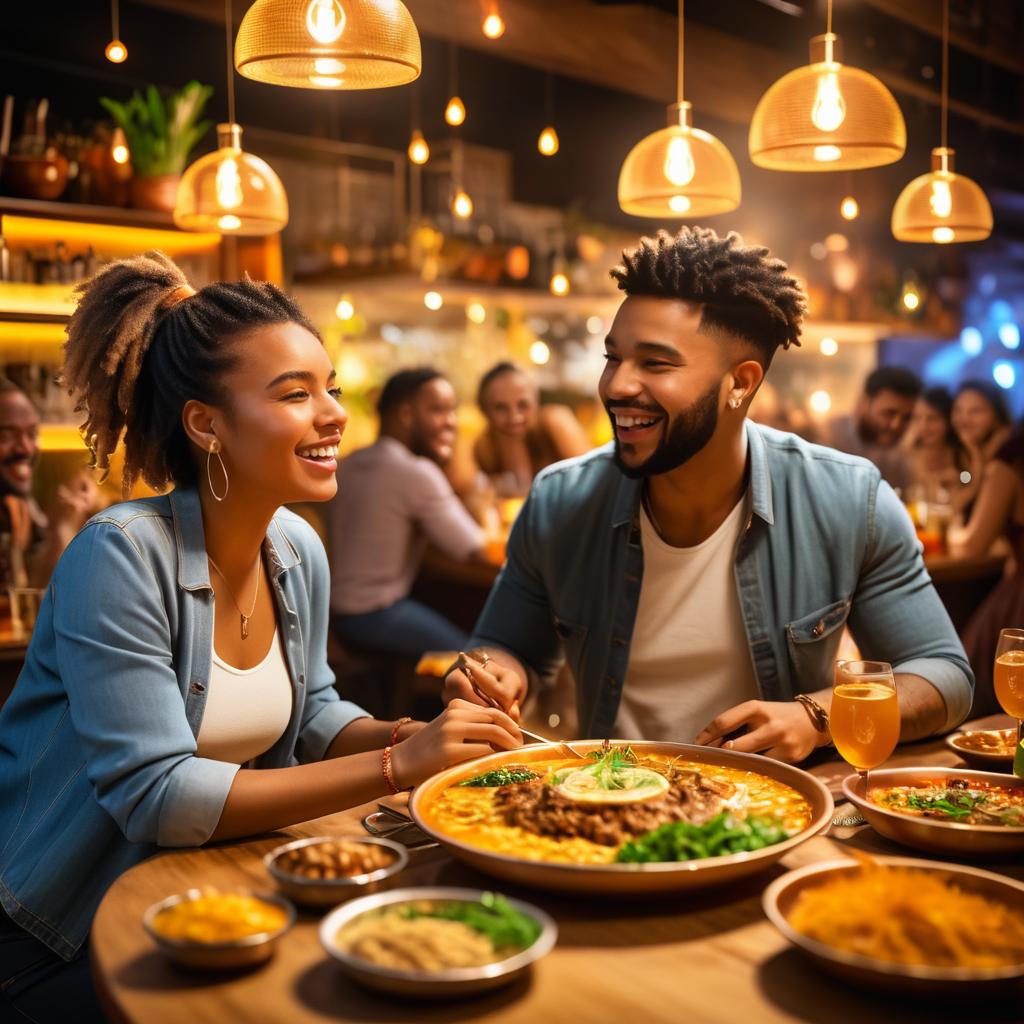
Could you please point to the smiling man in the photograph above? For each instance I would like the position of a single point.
(699, 571)
(392, 498)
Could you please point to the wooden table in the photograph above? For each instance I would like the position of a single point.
(703, 957)
(963, 583)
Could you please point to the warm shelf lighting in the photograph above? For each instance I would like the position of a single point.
(826, 116)
(942, 206)
(231, 191)
(849, 208)
(327, 44)
(419, 151)
(110, 240)
(679, 169)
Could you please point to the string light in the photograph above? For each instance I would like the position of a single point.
(419, 151)
(559, 284)
(849, 208)
(476, 312)
(345, 309)
(433, 300)
(539, 353)
(119, 147)
(462, 205)
(116, 52)
(494, 24)
(828, 346)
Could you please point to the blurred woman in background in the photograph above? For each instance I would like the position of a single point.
(981, 421)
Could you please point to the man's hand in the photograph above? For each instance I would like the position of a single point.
(77, 500)
(779, 729)
(490, 683)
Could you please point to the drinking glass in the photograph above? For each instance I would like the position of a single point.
(865, 715)
(1008, 681)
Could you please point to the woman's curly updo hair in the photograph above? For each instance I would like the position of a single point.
(742, 288)
(141, 344)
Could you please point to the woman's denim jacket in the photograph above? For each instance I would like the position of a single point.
(98, 762)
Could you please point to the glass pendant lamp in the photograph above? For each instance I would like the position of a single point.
(826, 116)
(679, 171)
(329, 44)
(942, 206)
(231, 191)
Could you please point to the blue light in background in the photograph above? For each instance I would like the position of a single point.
(1009, 335)
(971, 341)
(1004, 374)
(1001, 311)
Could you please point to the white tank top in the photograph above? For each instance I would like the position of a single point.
(247, 709)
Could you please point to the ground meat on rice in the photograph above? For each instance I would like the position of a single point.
(540, 808)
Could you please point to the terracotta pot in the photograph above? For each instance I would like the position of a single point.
(158, 192)
(37, 177)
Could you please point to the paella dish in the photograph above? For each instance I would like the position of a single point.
(617, 806)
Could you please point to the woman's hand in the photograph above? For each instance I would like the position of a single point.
(462, 731)
(473, 683)
(779, 729)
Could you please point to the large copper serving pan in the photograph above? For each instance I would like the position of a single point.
(626, 879)
(905, 979)
(930, 834)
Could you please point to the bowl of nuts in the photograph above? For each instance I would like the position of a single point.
(325, 870)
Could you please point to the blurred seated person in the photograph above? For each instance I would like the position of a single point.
(998, 512)
(522, 436)
(394, 500)
(877, 425)
(31, 543)
(936, 455)
(981, 420)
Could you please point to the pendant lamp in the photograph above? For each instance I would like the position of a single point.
(826, 116)
(942, 206)
(680, 170)
(231, 191)
(329, 44)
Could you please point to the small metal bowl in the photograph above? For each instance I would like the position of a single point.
(326, 892)
(907, 979)
(245, 952)
(453, 981)
(986, 760)
(930, 834)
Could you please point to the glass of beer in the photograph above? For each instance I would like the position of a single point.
(1008, 680)
(865, 715)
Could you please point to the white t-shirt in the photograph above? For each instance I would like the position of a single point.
(689, 658)
(247, 709)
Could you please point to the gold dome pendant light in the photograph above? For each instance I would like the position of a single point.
(329, 44)
(680, 170)
(826, 116)
(231, 191)
(941, 206)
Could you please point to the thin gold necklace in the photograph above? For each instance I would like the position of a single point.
(244, 618)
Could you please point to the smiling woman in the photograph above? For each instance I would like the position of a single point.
(176, 688)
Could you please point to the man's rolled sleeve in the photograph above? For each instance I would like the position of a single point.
(949, 679)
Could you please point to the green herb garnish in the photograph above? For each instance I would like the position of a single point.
(510, 775)
(614, 768)
(723, 834)
(493, 916)
(954, 803)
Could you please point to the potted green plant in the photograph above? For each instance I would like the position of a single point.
(161, 134)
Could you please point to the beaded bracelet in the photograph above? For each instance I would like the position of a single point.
(385, 767)
(394, 729)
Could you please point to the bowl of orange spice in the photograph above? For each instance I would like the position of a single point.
(209, 929)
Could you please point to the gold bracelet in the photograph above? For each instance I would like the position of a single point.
(404, 720)
(815, 712)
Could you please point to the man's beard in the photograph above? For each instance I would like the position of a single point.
(684, 438)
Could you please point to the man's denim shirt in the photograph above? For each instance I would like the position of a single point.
(827, 544)
(98, 762)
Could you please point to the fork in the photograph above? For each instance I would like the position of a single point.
(464, 664)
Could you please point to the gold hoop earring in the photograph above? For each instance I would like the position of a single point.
(215, 450)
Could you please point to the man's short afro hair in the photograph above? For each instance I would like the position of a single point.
(743, 289)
